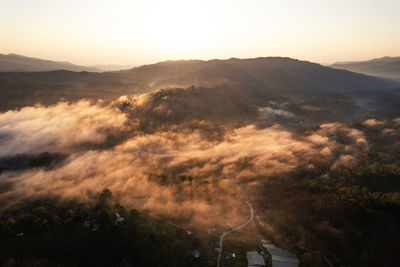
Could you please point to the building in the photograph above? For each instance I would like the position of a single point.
(266, 246)
(254, 259)
(281, 258)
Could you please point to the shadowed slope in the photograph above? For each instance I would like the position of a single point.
(292, 85)
(386, 67)
(12, 62)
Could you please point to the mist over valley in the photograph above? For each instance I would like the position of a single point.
(184, 151)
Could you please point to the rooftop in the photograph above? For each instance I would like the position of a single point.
(268, 246)
(254, 259)
(278, 254)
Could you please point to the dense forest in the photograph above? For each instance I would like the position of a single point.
(344, 205)
(52, 232)
(350, 211)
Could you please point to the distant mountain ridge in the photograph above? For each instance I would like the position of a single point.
(385, 67)
(273, 72)
(17, 63)
(278, 86)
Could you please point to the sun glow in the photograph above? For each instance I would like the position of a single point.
(147, 31)
(180, 27)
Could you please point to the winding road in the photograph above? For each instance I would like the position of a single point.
(234, 229)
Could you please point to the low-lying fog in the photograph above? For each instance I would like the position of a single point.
(182, 169)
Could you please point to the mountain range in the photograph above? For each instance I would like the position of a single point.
(17, 63)
(386, 67)
(281, 88)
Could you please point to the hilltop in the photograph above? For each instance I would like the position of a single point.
(385, 67)
(276, 85)
(17, 63)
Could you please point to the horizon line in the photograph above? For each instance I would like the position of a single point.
(199, 59)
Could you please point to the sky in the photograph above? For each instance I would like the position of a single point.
(147, 31)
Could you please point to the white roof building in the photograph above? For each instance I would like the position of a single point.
(254, 259)
(282, 258)
(269, 246)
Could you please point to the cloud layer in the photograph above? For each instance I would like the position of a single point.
(175, 171)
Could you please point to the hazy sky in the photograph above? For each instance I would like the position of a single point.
(138, 32)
